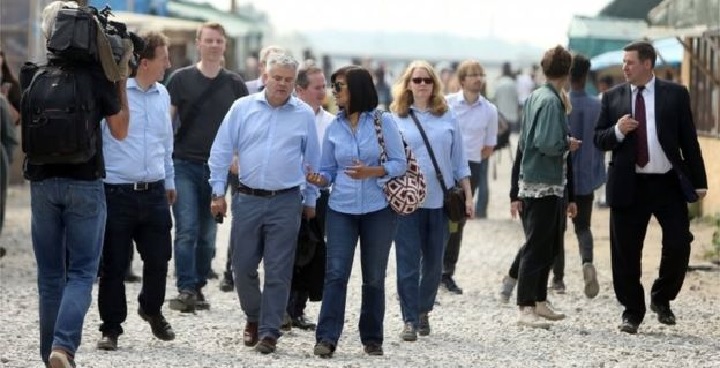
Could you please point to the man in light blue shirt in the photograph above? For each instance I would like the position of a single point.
(139, 189)
(276, 141)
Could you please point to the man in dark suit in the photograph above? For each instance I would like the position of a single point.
(656, 168)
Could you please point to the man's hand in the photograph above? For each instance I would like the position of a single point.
(316, 180)
(469, 208)
(234, 165)
(171, 195)
(627, 124)
(701, 193)
(574, 143)
(516, 209)
(218, 206)
(486, 152)
(124, 65)
(572, 209)
(308, 212)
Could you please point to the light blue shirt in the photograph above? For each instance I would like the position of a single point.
(341, 146)
(275, 145)
(478, 123)
(145, 155)
(446, 140)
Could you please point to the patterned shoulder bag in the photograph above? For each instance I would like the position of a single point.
(404, 193)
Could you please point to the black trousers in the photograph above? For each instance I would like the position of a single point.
(660, 196)
(297, 300)
(543, 224)
(233, 182)
(142, 217)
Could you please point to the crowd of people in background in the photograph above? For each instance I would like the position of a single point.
(306, 174)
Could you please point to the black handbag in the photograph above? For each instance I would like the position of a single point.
(453, 198)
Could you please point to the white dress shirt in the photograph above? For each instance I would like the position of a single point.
(478, 124)
(322, 121)
(658, 162)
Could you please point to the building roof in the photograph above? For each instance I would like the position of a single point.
(144, 22)
(236, 25)
(612, 28)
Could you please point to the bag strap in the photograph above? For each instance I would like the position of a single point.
(379, 134)
(191, 112)
(430, 152)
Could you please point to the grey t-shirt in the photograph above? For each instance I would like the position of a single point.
(185, 86)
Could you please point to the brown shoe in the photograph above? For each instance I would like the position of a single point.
(250, 335)
(266, 346)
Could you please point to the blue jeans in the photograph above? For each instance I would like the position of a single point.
(265, 228)
(479, 185)
(376, 231)
(419, 246)
(195, 227)
(68, 223)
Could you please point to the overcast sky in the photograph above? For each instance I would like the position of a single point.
(540, 22)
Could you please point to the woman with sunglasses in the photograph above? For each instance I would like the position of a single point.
(357, 208)
(420, 240)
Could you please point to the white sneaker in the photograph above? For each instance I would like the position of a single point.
(527, 317)
(592, 288)
(508, 284)
(545, 310)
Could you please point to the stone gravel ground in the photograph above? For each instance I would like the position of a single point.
(471, 330)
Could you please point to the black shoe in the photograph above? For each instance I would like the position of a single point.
(108, 342)
(266, 346)
(200, 302)
(212, 275)
(227, 285)
(450, 285)
(664, 313)
(302, 323)
(373, 348)
(159, 326)
(629, 326)
(185, 302)
(324, 350)
(132, 278)
(287, 324)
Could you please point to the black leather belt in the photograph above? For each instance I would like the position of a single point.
(139, 186)
(262, 192)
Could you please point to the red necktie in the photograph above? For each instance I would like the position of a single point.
(641, 149)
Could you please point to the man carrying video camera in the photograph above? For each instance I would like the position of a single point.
(63, 106)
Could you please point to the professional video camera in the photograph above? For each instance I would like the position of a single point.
(74, 35)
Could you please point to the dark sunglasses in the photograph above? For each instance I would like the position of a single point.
(420, 80)
(338, 86)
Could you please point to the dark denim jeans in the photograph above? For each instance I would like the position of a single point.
(419, 246)
(376, 231)
(479, 185)
(195, 227)
(142, 217)
(68, 222)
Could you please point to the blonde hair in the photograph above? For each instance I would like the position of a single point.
(49, 15)
(403, 97)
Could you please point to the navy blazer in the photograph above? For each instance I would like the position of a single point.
(676, 134)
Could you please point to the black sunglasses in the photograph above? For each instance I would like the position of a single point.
(338, 86)
(420, 80)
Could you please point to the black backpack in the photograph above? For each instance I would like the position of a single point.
(59, 115)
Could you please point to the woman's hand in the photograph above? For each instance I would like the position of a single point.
(469, 208)
(516, 209)
(360, 171)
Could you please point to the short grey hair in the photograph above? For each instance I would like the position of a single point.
(281, 60)
(49, 15)
(267, 50)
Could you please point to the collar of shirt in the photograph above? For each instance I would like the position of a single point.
(133, 84)
(649, 87)
(459, 99)
(262, 97)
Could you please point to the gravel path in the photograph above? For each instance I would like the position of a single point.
(472, 330)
